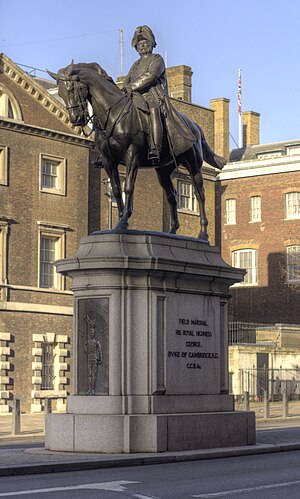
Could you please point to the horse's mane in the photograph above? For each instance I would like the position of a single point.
(96, 67)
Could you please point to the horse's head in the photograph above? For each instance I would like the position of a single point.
(74, 93)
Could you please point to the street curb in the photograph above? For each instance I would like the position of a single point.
(22, 438)
(167, 458)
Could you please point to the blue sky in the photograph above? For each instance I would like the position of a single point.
(214, 37)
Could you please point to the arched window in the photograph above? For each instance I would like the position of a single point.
(9, 107)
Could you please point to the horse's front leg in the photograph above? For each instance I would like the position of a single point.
(115, 182)
(165, 180)
(132, 164)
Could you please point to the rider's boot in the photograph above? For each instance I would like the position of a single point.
(156, 134)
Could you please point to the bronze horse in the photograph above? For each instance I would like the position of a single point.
(121, 138)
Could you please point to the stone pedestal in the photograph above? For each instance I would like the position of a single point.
(150, 348)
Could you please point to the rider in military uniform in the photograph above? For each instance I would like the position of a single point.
(144, 76)
(147, 76)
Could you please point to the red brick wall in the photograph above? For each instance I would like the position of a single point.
(272, 300)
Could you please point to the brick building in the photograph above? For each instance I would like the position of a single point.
(51, 196)
(260, 220)
(44, 210)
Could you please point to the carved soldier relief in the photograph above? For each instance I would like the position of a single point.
(92, 346)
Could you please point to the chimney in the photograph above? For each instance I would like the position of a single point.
(180, 82)
(250, 128)
(221, 126)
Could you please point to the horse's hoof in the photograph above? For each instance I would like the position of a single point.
(121, 226)
(174, 229)
(203, 236)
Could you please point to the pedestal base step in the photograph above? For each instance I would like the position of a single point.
(148, 433)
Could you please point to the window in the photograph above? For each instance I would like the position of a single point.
(230, 207)
(51, 248)
(246, 259)
(49, 174)
(293, 150)
(47, 366)
(3, 255)
(52, 175)
(110, 192)
(255, 209)
(3, 165)
(47, 259)
(293, 263)
(9, 107)
(292, 204)
(186, 196)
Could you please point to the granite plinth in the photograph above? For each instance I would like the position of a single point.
(159, 305)
(148, 433)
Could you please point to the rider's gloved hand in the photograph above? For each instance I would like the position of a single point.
(126, 89)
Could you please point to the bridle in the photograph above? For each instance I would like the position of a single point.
(80, 98)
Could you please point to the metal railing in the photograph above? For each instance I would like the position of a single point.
(246, 332)
(275, 382)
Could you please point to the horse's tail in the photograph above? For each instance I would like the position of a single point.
(208, 154)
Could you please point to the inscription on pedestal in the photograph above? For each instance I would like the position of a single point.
(193, 347)
(93, 341)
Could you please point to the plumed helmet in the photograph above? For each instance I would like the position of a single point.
(143, 33)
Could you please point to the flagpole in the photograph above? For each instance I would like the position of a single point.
(121, 51)
(241, 141)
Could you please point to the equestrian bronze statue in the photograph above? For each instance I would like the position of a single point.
(138, 127)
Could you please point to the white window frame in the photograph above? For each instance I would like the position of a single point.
(186, 197)
(238, 257)
(230, 210)
(61, 163)
(9, 102)
(58, 234)
(293, 263)
(3, 165)
(255, 208)
(293, 150)
(292, 203)
(3, 258)
(110, 192)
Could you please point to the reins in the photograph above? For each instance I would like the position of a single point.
(107, 131)
(94, 119)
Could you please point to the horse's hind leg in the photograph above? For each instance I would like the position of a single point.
(165, 180)
(193, 162)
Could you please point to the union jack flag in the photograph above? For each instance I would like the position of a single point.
(239, 91)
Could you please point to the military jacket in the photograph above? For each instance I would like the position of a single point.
(146, 75)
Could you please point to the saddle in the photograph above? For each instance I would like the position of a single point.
(180, 136)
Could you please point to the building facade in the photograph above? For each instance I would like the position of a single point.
(260, 220)
(44, 210)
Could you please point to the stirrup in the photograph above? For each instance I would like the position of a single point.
(153, 154)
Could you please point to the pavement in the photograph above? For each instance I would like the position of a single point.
(24, 453)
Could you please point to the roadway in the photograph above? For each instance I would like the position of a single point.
(251, 477)
(261, 476)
